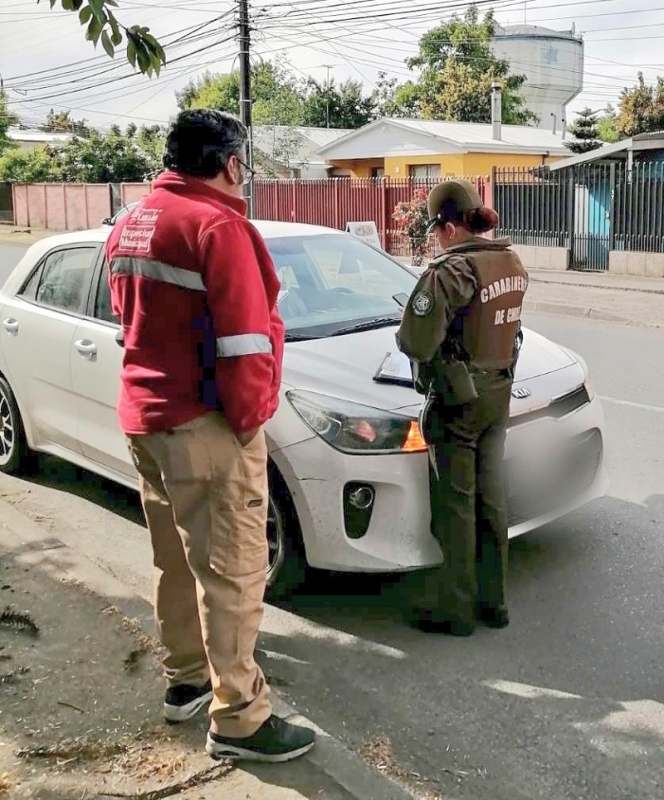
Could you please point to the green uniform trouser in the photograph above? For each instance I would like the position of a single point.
(469, 502)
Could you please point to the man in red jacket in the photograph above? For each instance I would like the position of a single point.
(195, 289)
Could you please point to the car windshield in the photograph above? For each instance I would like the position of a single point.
(334, 283)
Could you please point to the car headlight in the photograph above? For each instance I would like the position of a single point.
(590, 387)
(355, 428)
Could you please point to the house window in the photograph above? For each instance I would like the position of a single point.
(377, 172)
(422, 172)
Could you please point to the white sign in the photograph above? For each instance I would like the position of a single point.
(366, 231)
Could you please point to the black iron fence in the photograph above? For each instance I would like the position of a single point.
(590, 209)
(6, 206)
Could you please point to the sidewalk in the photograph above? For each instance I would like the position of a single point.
(81, 695)
(10, 234)
(599, 280)
(621, 299)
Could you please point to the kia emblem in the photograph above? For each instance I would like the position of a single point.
(521, 393)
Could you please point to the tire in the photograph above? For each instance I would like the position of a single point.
(15, 456)
(287, 568)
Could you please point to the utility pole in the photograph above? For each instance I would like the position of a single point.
(245, 91)
(328, 67)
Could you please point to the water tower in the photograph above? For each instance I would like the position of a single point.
(552, 62)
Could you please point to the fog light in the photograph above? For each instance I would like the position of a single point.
(361, 498)
(358, 506)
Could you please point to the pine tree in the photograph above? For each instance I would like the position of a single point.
(585, 131)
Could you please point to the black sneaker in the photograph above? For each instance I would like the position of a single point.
(275, 741)
(183, 702)
(428, 621)
(494, 617)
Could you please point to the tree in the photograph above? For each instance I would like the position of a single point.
(641, 108)
(100, 158)
(26, 166)
(607, 127)
(143, 50)
(62, 122)
(7, 120)
(276, 96)
(396, 100)
(585, 132)
(457, 67)
(337, 106)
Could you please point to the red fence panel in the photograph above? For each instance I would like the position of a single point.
(335, 202)
(133, 192)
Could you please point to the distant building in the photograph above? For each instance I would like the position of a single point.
(282, 151)
(413, 148)
(31, 139)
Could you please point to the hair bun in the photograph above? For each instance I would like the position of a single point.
(482, 220)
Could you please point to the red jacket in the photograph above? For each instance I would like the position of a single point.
(195, 289)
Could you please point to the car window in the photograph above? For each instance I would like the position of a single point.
(332, 281)
(63, 278)
(103, 299)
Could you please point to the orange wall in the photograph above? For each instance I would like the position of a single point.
(462, 164)
(359, 169)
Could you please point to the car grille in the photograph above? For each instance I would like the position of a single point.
(560, 407)
(573, 474)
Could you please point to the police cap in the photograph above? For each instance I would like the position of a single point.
(451, 201)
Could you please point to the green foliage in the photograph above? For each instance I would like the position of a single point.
(26, 166)
(143, 51)
(62, 122)
(457, 67)
(115, 157)
(275, 92)
(585, 131)
(343, 105)
(607, 127)
(280, 99)
(641, 108)
(7, 120)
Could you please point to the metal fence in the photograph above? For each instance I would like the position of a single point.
(6, 204)
(590, 209)
(338, 201)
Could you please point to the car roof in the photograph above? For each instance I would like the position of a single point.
(270, 229)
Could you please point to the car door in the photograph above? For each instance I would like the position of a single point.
(95, 368)
(37, 328)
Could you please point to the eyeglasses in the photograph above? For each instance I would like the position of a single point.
(249, 172)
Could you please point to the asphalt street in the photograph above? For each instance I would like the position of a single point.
(567, 703)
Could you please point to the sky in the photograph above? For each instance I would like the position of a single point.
(45, 61)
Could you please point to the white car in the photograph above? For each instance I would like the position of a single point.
(348, 467)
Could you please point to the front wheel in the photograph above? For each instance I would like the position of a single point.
(14, 452)
(287, 565)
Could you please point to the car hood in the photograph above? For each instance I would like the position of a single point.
(344, 366)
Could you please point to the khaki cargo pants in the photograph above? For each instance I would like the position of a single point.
(205, 501)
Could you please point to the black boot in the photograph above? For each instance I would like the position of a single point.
(494, 616)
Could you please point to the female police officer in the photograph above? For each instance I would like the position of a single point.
(461, 330)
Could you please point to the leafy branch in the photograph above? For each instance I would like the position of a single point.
(143, 51)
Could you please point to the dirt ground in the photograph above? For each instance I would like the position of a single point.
(80, 696)
(80, 705)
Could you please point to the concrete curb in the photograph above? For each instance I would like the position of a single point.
(329, 756)
(580, 284)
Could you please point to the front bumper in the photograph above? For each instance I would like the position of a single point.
(569, 453)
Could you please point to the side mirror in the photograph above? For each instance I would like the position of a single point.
(119, 338)
(107, 221)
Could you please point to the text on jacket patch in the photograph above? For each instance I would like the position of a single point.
(517, 283)
(508, 315)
